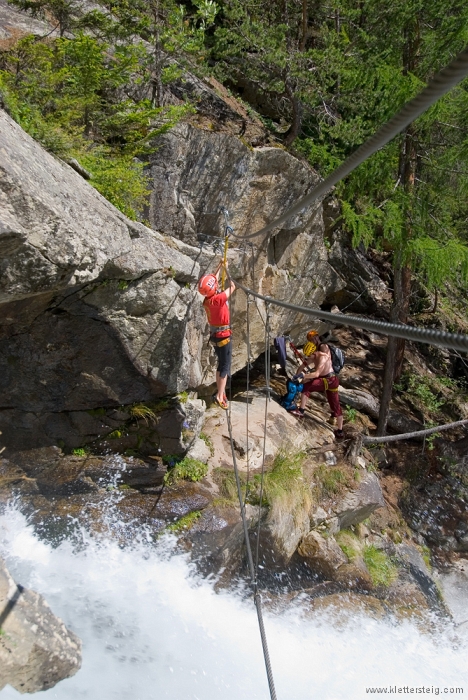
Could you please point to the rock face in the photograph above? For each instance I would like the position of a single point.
(195, 174)
(100, 312)
(358, 504)
(36, 649)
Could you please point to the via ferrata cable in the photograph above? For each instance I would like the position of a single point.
(253, 568)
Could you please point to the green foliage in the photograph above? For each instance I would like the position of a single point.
(284, 477)
(382, 570)
(97, 412)
(183, 397)
(330, 480)
(349, 543)
(80, 451)
(423, 391)
(115, 434)
(426, 555)
(284, 487)
(350, 414)
(188, 469)
(141, 411)
(208, 442)
(69, 94)
(185, 522)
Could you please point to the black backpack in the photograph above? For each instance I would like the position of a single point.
(337, 358)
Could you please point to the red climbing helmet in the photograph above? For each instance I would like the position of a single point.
(207, 285)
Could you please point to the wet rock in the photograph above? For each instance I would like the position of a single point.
(410, 558)
(360, 503)
(405, 597)
(318, 516)
(172, 503)
(343, 606)
(436, 504)
(322, 554)
(354, 575)
(217, 541)
(36, 649)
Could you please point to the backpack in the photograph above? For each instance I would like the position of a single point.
(337, 358)
(288, 400)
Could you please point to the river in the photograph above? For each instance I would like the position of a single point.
(153, 629)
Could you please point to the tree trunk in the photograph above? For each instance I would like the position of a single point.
(403, 306)
(305, 23)
(392, 347)
(296, 119)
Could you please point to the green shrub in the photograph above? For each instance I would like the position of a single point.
(284, 487)
(143, 412)
(80, 451)
(331, 480)
(208, 442)
(382, 570)
(188, 469)
(184, 523)
(350, 414)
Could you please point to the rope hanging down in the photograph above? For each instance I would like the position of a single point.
(457, 341)
(439, 86)
(253, 568)
(257, 597)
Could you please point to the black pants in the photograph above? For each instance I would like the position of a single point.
(224, 355)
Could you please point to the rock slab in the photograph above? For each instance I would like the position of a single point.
(36, 649)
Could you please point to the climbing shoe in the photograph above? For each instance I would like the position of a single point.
(339, 435)
(222, 404)
(297, 412)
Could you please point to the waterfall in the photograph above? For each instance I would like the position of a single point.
(153, 629)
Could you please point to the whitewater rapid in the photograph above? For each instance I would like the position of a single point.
(152, 629)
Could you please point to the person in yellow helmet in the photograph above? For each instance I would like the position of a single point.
(318, 375)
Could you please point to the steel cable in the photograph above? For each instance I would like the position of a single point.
(253, 569)
(456, 341)
(444, 81)
(257, 598)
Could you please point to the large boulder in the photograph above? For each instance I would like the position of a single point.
(197, 174)
(97, 310)
(100, 312)
(36, 649)
(360, 503)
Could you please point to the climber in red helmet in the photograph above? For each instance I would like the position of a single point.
(217, 312)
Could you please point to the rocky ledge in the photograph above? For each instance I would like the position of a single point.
(36, 649)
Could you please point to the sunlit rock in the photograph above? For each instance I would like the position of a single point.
(36, 649)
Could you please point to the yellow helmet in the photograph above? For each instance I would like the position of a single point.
(309, 348)
(313, 341)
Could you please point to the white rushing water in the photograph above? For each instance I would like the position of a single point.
(151, 629)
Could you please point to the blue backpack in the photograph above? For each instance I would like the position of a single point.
(292, 389)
